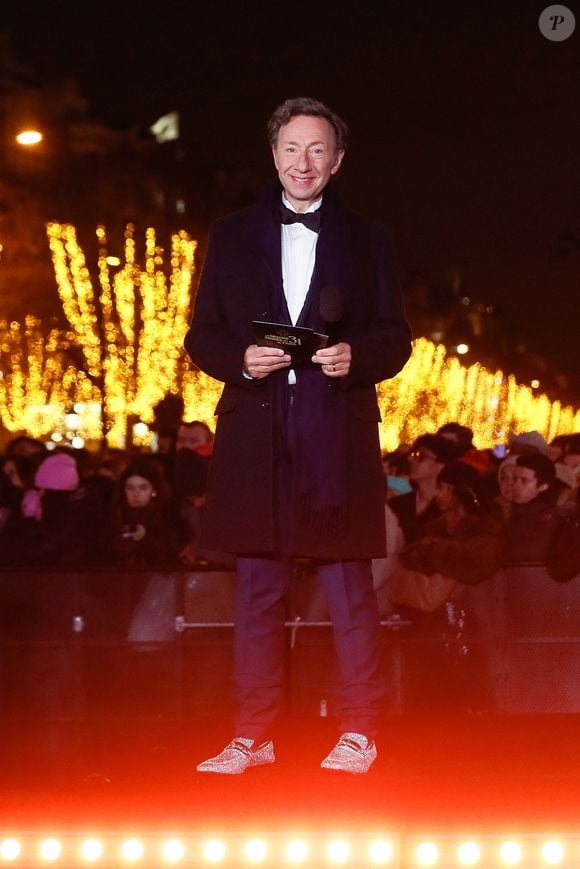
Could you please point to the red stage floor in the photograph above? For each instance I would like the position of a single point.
(463, 774)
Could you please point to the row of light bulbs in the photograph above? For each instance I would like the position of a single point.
(377, 850)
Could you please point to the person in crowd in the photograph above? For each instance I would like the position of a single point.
(462, 544)
(534, 517)
(194, 445)
(145, 531)
(189, 480)
(54, 527)
(461, 436)
(463, 541)
(166, 441)
(396, 465)
(24, 445)
(296, 465)
(566, 489)
(505, 482)
(407, 515)
(557, 447)
(16, 476)
(414, 509)
(571, 457)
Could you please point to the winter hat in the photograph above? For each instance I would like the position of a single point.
(58, 472)
(509, 461)
(530, 440)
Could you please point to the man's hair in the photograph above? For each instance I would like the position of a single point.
(197, 423)
(542, 466)
(462, 433)
(441, 448)
(306, 106)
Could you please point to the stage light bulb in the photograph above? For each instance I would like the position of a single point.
(214, 851)
(173, 851)
(256, 850)
(469, 853)
(510, 853)
(297, 851)
(132, 850)
(50, 849)
(338, 851)
(380, 851)
(10, 849)
(427, 854)
(553, 852)
(91, 850)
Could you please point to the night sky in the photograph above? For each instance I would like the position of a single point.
(465, 130)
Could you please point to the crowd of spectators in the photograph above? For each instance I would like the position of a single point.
(455, 515)
(70, 508)
(466, 512)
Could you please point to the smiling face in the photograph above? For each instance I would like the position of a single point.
(305, 156)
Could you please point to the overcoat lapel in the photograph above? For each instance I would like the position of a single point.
(333, 267)
(266, 241)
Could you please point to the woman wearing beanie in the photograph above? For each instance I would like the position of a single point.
(53, 528)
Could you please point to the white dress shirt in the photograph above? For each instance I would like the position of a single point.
(298, 256)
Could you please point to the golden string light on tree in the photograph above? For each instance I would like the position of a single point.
(132, 332)
(433, 389)
(38, 383)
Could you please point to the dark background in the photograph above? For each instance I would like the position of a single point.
(464, 129)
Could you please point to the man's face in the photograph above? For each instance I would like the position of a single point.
(306, 157)
(423, 465)
(525, 485)
(190, 437)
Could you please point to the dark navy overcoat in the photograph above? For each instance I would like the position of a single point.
(242, 281)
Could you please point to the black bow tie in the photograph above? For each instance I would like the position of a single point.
(311, 220)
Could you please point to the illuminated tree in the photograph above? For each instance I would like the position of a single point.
(131, 334)
(38, 382)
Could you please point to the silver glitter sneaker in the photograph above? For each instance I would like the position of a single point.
(352, 753)
(238, 756)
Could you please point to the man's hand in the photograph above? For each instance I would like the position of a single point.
(261, 361)
(335, 360)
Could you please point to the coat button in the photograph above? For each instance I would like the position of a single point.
(265, 404)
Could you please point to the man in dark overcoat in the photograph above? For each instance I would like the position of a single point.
(296, 467)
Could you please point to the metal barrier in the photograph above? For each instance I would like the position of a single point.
(80, 646)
